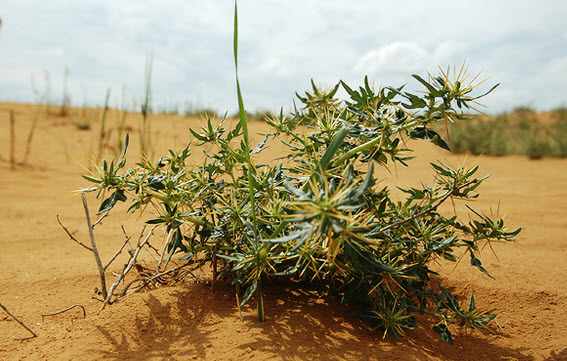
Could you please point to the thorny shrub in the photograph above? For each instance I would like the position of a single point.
(318, 217)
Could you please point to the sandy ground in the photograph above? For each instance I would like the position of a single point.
(42, 271)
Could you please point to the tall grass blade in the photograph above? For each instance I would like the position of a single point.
(12, 140)
(102, 133)
(30, 138)
(145, 133)
(251, 168)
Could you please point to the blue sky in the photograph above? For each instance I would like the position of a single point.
(283, 44)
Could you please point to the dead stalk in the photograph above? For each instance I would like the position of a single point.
(18, 320)
(30, 136)
(128, 267)
(117, 253)
(73, 237)
(100, 219)
(65, 310)
(94, 249)
(215, 271)
(148, 281)
(164, 249)
(239, 308)
(12, 140)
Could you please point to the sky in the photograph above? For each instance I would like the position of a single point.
(105, 44)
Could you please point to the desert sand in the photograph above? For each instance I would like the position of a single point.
(43, 271)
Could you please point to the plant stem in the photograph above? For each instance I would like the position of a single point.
(65, 310)
(73, 237)
(260, 301)
(102, 133)
(244, 125)
(251, 169)
(30, 137)
(145, 133)
(428, 210)
(356, 150)
(12, 140)
(18, 320)
(369, 144)
(129, 266)
(94, 249)
(66, 101)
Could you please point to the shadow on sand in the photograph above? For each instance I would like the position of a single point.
(191, 322)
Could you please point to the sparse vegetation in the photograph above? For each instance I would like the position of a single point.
(103, 133)
(42, 98)
(521, 132)
(194, 110)
(12, 140)
(145, 131)
(65, 97)
(121, 123)
(318, 218)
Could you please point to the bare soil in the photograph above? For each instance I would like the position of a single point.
(42, 271)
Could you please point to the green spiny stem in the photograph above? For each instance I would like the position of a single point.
(351, 153)
(260, 302)
(432, 208)
(278, 230)
(371, 143)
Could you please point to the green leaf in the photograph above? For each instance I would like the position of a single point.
(155, 221)
(111, 201)
(444, 333)
(488, 92)
(249, 292)
(423, 132)
(472, 305)
(299, 194)
(333, 147)
(451, 301)
(479, 322)
(351, 92)
(432, 90)
(198, 136)
(122, 161)
(235, 257)
(444, 243)
(478, 264)
(442, 170)
(360, 190)
(260, 146)
(91, 179)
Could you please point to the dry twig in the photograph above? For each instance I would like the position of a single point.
(71, 236)
(100, 219)
(12, 140)
(164, 249)
(18, 320)
(149, 280)
(118, 252)
(129, 266)
(65, 310)
(94, 249)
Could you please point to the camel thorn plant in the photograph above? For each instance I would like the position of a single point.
(318, 217)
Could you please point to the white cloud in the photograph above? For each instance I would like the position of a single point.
(276, 67)
(406, 58)
(397, 57)
(447, 51)
(282, 46)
